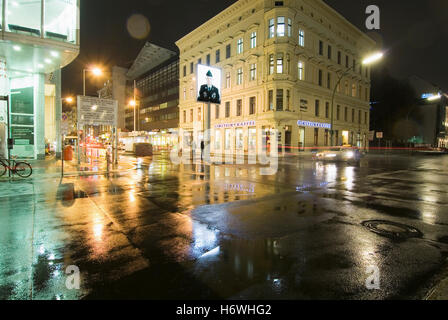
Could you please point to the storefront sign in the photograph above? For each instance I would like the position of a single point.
(236, 124)
(311, 124)
(95, 111)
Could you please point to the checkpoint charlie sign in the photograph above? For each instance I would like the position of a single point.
(97, 112)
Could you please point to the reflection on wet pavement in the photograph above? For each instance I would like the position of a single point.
(195, 231)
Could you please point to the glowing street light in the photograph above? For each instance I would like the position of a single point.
(97, 72)
(367, 61)
(373, 58)
(435, 97)
(69, 100)
(132, 103)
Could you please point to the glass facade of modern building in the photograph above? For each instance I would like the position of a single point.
(50, 19)
(38, 38)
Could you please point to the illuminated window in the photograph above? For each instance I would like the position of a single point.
(281, 26)
(240, 46)
(61, 21)
(253, 40)
(301, 69)
(271, 31)
(280, 63)
(239, 79)
(24, 17)
(253, 72)
(301, 37)
(271, 64)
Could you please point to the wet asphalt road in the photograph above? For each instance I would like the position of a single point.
(164, 231)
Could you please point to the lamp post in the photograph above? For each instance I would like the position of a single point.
(367, 61)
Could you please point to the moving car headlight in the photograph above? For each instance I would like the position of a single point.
(350, 154)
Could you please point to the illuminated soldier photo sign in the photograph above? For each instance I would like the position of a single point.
(209, 84)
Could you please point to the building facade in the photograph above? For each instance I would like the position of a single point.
(38, 38)
(280, 63)
(156, 75)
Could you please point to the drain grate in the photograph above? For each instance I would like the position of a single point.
(392, 230)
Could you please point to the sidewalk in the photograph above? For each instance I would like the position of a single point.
(51, 167)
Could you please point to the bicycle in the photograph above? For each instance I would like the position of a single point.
(21, 168)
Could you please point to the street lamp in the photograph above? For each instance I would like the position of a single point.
(97, 72)
(367, 61)
(69, 100)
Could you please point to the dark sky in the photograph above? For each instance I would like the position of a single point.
(414, 33)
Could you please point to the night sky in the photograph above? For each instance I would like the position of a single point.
(414, 33)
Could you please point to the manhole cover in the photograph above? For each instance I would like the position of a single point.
(392, 230)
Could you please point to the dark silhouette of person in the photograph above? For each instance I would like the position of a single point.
(208, 92)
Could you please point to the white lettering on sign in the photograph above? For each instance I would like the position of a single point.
(312, 124)
(236, 124)
(95, 111)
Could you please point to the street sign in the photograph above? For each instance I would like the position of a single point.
(379, 135)
(95, 111)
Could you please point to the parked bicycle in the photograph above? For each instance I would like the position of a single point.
(21, 168)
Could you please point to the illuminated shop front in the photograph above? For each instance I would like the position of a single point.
(38, 38)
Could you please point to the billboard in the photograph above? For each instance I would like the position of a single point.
(208, 84)
(95, 111)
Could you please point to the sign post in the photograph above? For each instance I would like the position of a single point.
(208, 91)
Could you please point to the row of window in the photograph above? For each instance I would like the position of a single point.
(162, 117)
(227, 110)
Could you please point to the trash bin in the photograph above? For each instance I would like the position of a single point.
(68, 153)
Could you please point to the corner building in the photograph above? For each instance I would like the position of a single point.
(280, 63)
(37, 39)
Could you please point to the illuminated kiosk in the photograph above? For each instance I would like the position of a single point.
(38, 38)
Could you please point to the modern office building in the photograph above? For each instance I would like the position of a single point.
(38, 38)
(156, 75)
(280, 63)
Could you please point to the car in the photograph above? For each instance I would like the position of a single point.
(346, 154)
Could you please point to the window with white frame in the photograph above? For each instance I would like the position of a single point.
(253, 40)
(301, 37)
(280, 63)
(239, 79)
(280, 26)
(301, 70)
(271, 31)
(271, 64)
(253, 71)
(240, 46)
